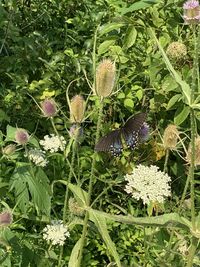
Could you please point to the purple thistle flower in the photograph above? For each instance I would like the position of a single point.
(191, 12)
(21, 136)
(144, 132)
(49, 108)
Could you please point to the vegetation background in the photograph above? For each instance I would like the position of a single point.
(45, 45)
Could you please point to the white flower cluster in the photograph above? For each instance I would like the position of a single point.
(148, 184)
(37, 156)
(53, 143)
(56, 233)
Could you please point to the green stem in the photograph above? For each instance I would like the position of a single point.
(92, 176)
(192, 251)
(166, 160)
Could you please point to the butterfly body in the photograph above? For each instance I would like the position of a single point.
(112, 142)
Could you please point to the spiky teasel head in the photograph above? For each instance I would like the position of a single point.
(105, 78)
(49, 108)
(191, 12)
(176, 51)
(170, 137)
(197, 152)
(21, 136)
(77, 109)
(9, 149)
(5, 218)
(74, 208)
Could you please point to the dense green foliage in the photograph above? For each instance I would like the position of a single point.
(46, 45)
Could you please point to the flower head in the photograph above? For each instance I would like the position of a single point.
(77, 109)
(191, 12)
(105, 78)
(37, 156)
(74, 207)
(170, 137)
(148, 184)
(9, 149)
(56, 233)
(176, 50)
(5, 218)
(49, 108)
(53, 143)
(21, 136)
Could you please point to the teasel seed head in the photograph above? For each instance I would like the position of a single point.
(49, 108)
(21, 136)
(6, 218)
(170, 137)
(105, 78)
(9, 149)
(77, 109)
(176, 50)
(74, 208)
(197, 152)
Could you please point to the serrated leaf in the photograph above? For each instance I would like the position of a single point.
(130, 37)
(100, 223)
(23, 182)
(104, 47)
(181, 115)
(110, 27)
(173, 100)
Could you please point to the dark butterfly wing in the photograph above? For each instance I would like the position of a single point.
(111, 143)
(132, 128)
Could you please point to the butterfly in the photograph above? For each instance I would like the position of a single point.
(130, 132)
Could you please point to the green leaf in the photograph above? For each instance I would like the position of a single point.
(4, 116)
(138, 5)
(23, 182)
(73, 261)
(110, 27)
(166, 220)
(181, 115)
(184, 86)
(128, 103)
(105, 46)
(173, 101)
(130, 37)
(100, 223)
(10, 133)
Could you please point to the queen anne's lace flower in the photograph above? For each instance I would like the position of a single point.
(56, 233)
(38, 157)
(53, 143)
(148, 184)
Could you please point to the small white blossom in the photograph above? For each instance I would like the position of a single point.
(56, 232)
(53, 143)
(148, 184)
(37, 156)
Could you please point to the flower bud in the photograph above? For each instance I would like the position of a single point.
(21, 136)
(74, 207)
(170, 137)
(5, 218)
(176, 51)
(9, 149)
(191, 12)
(197, 152)
(49, 108)
(105, 78)
(77, 109)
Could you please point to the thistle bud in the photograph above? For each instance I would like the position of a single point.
(77, 109)
(49, 108)
(9, 149)
(170, 137)
(21, 136)
(191, 12)
(197, 152)
(176, 51)
(105, 78)
(5, 218)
